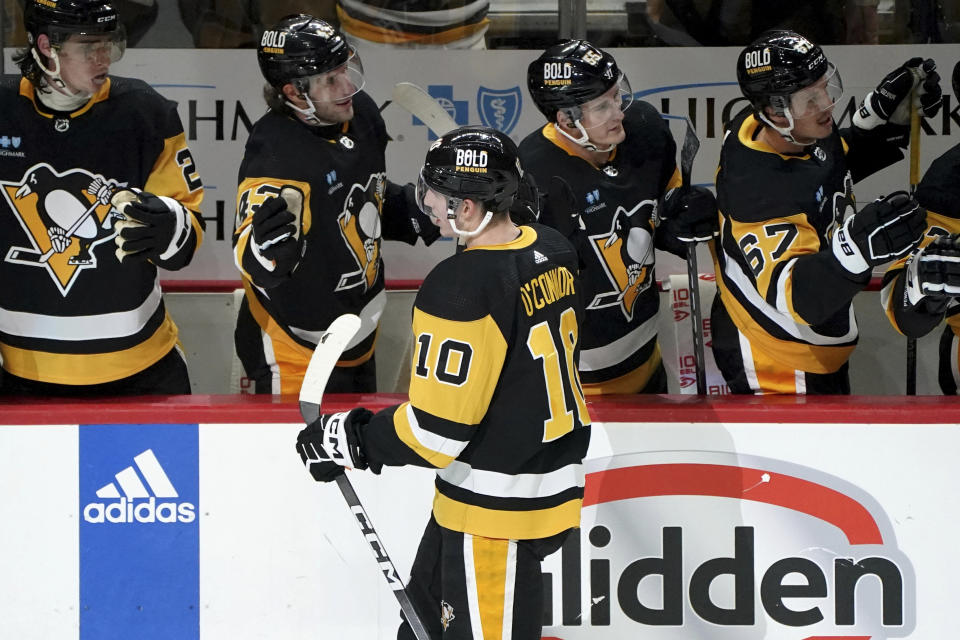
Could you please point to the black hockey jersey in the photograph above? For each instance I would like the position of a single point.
(939, 193)
(70, 313)
(776, 274)
(443, 23)
(342, 175)
(617, 203)
(495, 401)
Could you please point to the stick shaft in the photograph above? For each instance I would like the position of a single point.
(911, 382)
(380, 554)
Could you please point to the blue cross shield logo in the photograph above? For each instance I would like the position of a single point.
(499, 109)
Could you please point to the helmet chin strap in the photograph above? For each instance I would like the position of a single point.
(584, 139)
(452, 205)
(785, 132)
(76, 98)
(309, 114)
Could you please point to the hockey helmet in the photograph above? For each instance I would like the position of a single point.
(300, 47)
(955, 81)
(786, 71)
(61, 19)
(473, 162)
(573, 72)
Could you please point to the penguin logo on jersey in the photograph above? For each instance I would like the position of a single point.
(64, 216)
(626, 253)
(359, 224)
(446, 614)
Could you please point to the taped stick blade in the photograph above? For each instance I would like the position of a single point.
(422, 105)
(336, 338)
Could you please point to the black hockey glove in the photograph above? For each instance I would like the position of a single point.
(402, 218)
(422, 223)
(275, 236)
(332, 442)
(933, 274)
(526, 204)
(152, 228)
(884, 230)
(890, 101)
(689, 214)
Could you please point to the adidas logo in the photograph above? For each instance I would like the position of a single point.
(538, 258)
(138, 503)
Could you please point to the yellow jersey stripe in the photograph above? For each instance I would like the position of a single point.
(496, 523)
(426, 445)
(90, 368)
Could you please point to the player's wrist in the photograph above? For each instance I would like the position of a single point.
(846, 251)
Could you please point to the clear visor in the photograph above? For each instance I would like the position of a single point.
(438, 199)
(819, 96)
(338, 84)
(107, 48)
(602, 110)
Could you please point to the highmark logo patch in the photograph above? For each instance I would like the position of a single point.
(139, 532)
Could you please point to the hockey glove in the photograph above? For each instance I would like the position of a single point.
(890, 101)
(690, 214)
(276, 242)
(884, 230)
(526, 204)
(153, 228)
(933, 274)
(422, 223)
(332, 442)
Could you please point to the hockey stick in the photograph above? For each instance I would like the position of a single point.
(421, 104)
(322, 362)
(911, 383)
(691, 144)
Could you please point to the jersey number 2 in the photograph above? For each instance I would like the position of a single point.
(543, 346)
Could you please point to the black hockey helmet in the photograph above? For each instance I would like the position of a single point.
(569, 74)
(60, 19)
(955, 81)
(472, 162)
(780, 63)
(300, 46)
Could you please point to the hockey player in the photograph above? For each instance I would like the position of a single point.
(792, 251)
(921, 290)
(312, 187)
(495, 402)
(607, 168)
(87, 162)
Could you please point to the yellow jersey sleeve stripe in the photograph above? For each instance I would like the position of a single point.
(435, 449)
(167, 178)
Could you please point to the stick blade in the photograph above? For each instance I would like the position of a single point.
(422, 105)
(324, 359)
